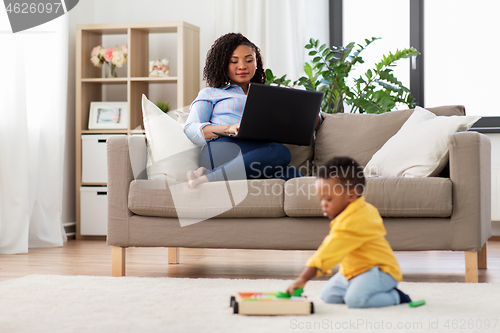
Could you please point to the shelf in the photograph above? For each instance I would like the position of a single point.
(105, 80)
(150, 27)
(104, 29)
(154, 79)
(132, 79)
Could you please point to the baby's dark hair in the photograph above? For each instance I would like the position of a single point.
(346, 170)
(217, 62)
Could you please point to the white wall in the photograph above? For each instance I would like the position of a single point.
(461, 51)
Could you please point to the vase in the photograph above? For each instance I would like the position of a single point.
(111, 73)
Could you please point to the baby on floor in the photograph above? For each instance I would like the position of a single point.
(369, 272)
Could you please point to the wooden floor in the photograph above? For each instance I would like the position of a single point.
(83, 257)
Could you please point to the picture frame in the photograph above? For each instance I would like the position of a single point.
(108, 115)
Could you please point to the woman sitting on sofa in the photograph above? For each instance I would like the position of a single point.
(232, 63)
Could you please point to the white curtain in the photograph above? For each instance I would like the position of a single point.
(33, 90)
(280, 28)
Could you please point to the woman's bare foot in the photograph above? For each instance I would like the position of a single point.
(193, 174)
(195, 182)
(196, 177)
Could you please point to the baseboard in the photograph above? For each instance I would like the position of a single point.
(495, 228)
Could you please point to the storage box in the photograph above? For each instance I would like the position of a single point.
(94, 158)
(94, 211)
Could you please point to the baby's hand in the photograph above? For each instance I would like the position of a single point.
(299, 283)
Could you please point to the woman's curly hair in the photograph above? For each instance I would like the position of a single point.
(216, 65)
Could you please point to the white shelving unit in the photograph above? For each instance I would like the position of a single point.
(90, 86)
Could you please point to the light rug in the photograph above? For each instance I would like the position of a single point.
(52, 303)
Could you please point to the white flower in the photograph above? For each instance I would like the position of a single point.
(96, 61)
(118, 58)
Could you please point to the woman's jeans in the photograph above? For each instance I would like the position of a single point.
(232, 159)
(371, 289)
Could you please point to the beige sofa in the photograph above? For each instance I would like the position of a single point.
(448, 212)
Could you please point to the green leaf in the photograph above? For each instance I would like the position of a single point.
(330, 56)
(269, 75)
(308, 70)
(322, 47)
(369, 74)
(347, 51)
(313, 52)
(319, 66)
(325, 83)
(361, 80)
(308, 46)
(270, 78)
(327, 75)
(388, 86)
(387, 75)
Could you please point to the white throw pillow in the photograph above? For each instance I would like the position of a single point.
(170, 152)
(419, 148)
(181, 116)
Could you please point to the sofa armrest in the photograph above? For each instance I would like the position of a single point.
(470, 173)
(121, 170)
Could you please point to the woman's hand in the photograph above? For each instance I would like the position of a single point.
(209, 129)
(318, 122)
(233, 129)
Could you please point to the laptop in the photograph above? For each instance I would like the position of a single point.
(277, 114)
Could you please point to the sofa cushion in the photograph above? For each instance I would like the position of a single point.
(393, 197)
(302, 157)
(259, 198)
(359, 136)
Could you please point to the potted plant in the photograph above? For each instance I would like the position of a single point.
(375, 91)
(162, 105)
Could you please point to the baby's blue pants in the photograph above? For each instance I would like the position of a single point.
(371, 289)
